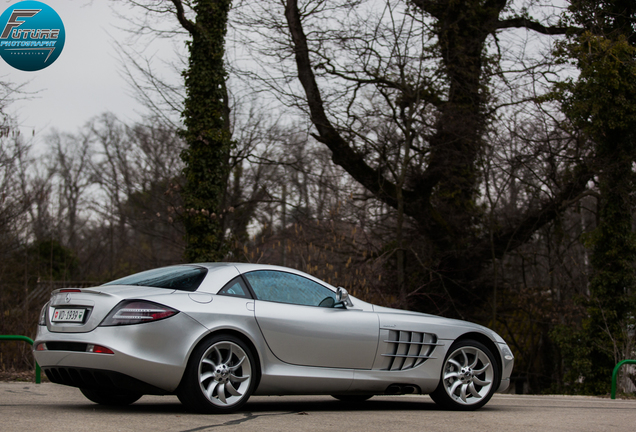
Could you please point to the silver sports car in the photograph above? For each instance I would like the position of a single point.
(215, 334)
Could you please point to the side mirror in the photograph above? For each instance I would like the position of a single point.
(342, 297)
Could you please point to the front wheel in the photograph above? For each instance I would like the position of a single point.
(220, 376)
(469, 378)
(110, 398)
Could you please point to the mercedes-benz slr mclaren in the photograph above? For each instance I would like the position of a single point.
(215, 334)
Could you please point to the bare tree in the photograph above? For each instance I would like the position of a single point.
(73, 159)
(399, 93)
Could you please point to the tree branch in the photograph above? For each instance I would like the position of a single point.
(433, 7)
(511, 239)
(185, 23)
(521, 22)
(342, 153)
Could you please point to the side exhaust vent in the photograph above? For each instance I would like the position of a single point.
(406, 349)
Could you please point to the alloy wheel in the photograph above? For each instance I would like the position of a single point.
(225, 374)
(468, 375)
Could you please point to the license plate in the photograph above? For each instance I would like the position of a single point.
(68, 315)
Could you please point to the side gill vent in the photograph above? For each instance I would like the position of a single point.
(407, 349)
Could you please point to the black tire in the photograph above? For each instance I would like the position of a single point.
(220, 376)
(110, 398)
(352, 398)
(469, 377)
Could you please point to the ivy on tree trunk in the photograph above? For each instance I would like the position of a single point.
(602, 104)
(207, 133)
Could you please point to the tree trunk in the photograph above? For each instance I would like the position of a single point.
(207, 132)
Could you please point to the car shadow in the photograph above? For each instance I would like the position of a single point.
(336, 405)
(277, 404)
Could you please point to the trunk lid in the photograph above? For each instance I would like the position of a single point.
(81, 310)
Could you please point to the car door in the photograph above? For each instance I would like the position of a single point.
(299, 331)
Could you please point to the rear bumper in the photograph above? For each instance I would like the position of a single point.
(154, 354)
(100, 380)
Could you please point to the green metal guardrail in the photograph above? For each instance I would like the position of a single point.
(29, 340)
(615, 373)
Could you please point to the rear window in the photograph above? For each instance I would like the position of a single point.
(183, 278)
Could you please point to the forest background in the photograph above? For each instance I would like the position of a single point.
(466, 158)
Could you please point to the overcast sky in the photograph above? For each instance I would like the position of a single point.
(84, 81)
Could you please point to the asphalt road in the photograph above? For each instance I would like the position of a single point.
(28, 407)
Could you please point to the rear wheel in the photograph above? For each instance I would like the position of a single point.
(469, 378)
(220, 376)
(111, 398)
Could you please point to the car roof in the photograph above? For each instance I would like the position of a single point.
(248, 267)
(245, 267)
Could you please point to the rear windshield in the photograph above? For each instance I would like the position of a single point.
(183, 278)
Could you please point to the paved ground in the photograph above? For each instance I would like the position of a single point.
(50, 407)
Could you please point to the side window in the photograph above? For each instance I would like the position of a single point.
(235, 288)
(289, 288)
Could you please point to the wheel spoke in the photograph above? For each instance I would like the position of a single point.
(482, 370)
(205, 376)
(480, 382)
(455, 363)
(208, 361)
(462, 392)
(237, 365)
(235, 378)
(454, 387)
(231, 390)
(210, 389)
(219, 359)
(229, 356)
(451, 375)
(472, 366)
(473, 390)
(465, 357)
(221, 393)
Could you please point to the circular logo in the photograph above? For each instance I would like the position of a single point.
(32, 35)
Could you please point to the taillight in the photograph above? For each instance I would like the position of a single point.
(42, 319)
(137, 312)
(98, 349)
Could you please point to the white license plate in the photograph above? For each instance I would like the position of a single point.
(68, 315)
